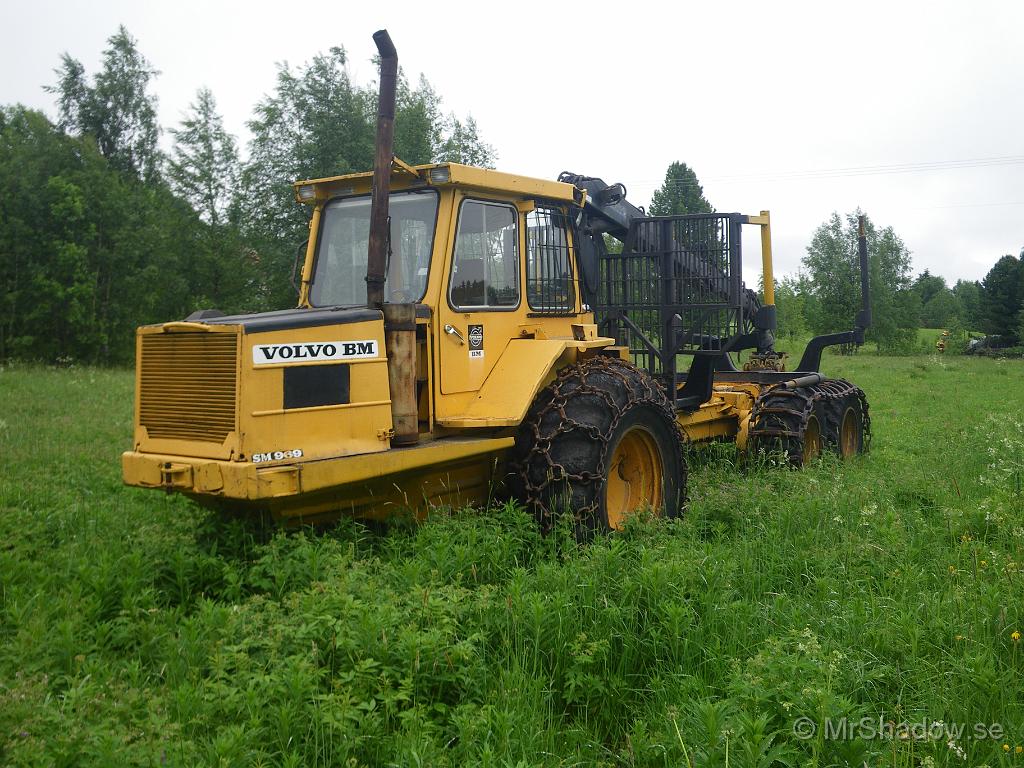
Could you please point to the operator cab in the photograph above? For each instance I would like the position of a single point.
(486, 257)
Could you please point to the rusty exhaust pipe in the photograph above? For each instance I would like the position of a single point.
(399, 319)
(377, 256)
(400, 342)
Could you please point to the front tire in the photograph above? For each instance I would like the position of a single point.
(600, 443)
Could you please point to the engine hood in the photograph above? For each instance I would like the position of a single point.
(287, 319)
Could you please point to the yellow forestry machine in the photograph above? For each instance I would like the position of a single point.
(461, 333)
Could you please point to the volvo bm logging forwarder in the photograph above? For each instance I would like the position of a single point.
(461, 330)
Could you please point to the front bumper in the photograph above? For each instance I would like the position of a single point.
(227, 479)
(418, 472)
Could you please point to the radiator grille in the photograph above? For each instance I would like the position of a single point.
(187, 385)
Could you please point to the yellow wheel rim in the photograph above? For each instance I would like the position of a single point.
(635, 477)
(849, 440)
(812, 440)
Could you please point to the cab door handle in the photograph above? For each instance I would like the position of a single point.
(451, 330)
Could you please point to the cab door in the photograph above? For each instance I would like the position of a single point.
(480, 311)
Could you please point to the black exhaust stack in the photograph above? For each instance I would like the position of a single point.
(864, 316)
(377, 256)
(811, 359)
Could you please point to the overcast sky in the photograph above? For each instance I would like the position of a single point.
(912, 111)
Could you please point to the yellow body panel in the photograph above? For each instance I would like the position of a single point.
(322, 431)
(261, 423)
(725, 415)
(457, 369)
(525, 367)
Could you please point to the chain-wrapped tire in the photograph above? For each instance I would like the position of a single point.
(600, 442)
(846, 424)
(802, 422)
(783, 423)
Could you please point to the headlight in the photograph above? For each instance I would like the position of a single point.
(440, 175)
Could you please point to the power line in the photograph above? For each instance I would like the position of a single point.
(843, 172)
(962, 205)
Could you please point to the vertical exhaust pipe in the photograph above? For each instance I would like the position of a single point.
(377, 256)
(400, 342)
(811, 359)
(864, 316)
(399, 319)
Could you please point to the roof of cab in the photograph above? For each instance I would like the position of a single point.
(433, 175)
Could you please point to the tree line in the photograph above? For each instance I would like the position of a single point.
(102, 231)
(824, 295)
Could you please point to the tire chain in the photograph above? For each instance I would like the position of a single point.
(780, 415)
(571, 382)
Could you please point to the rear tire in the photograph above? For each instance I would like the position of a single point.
(599, 443)
(812, 440)
(848, 429)
(786, 424)
(804, 422)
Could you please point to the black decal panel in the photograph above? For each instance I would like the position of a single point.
(311, 385)
(476, 342)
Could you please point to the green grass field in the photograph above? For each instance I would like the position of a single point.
(137, 629)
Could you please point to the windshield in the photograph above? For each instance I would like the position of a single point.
(340, 275)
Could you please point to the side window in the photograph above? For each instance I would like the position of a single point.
(485, 268)
(549, 283)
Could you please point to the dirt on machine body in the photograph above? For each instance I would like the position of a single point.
(463, 333)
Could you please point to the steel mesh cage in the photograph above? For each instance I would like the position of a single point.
(674, 289)
(550, 285)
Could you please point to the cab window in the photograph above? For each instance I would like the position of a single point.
(549, 283)
(339, 278)
(485, 266)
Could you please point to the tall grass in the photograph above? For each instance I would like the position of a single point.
(137, 629)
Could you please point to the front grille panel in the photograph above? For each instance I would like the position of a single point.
(187, 385)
